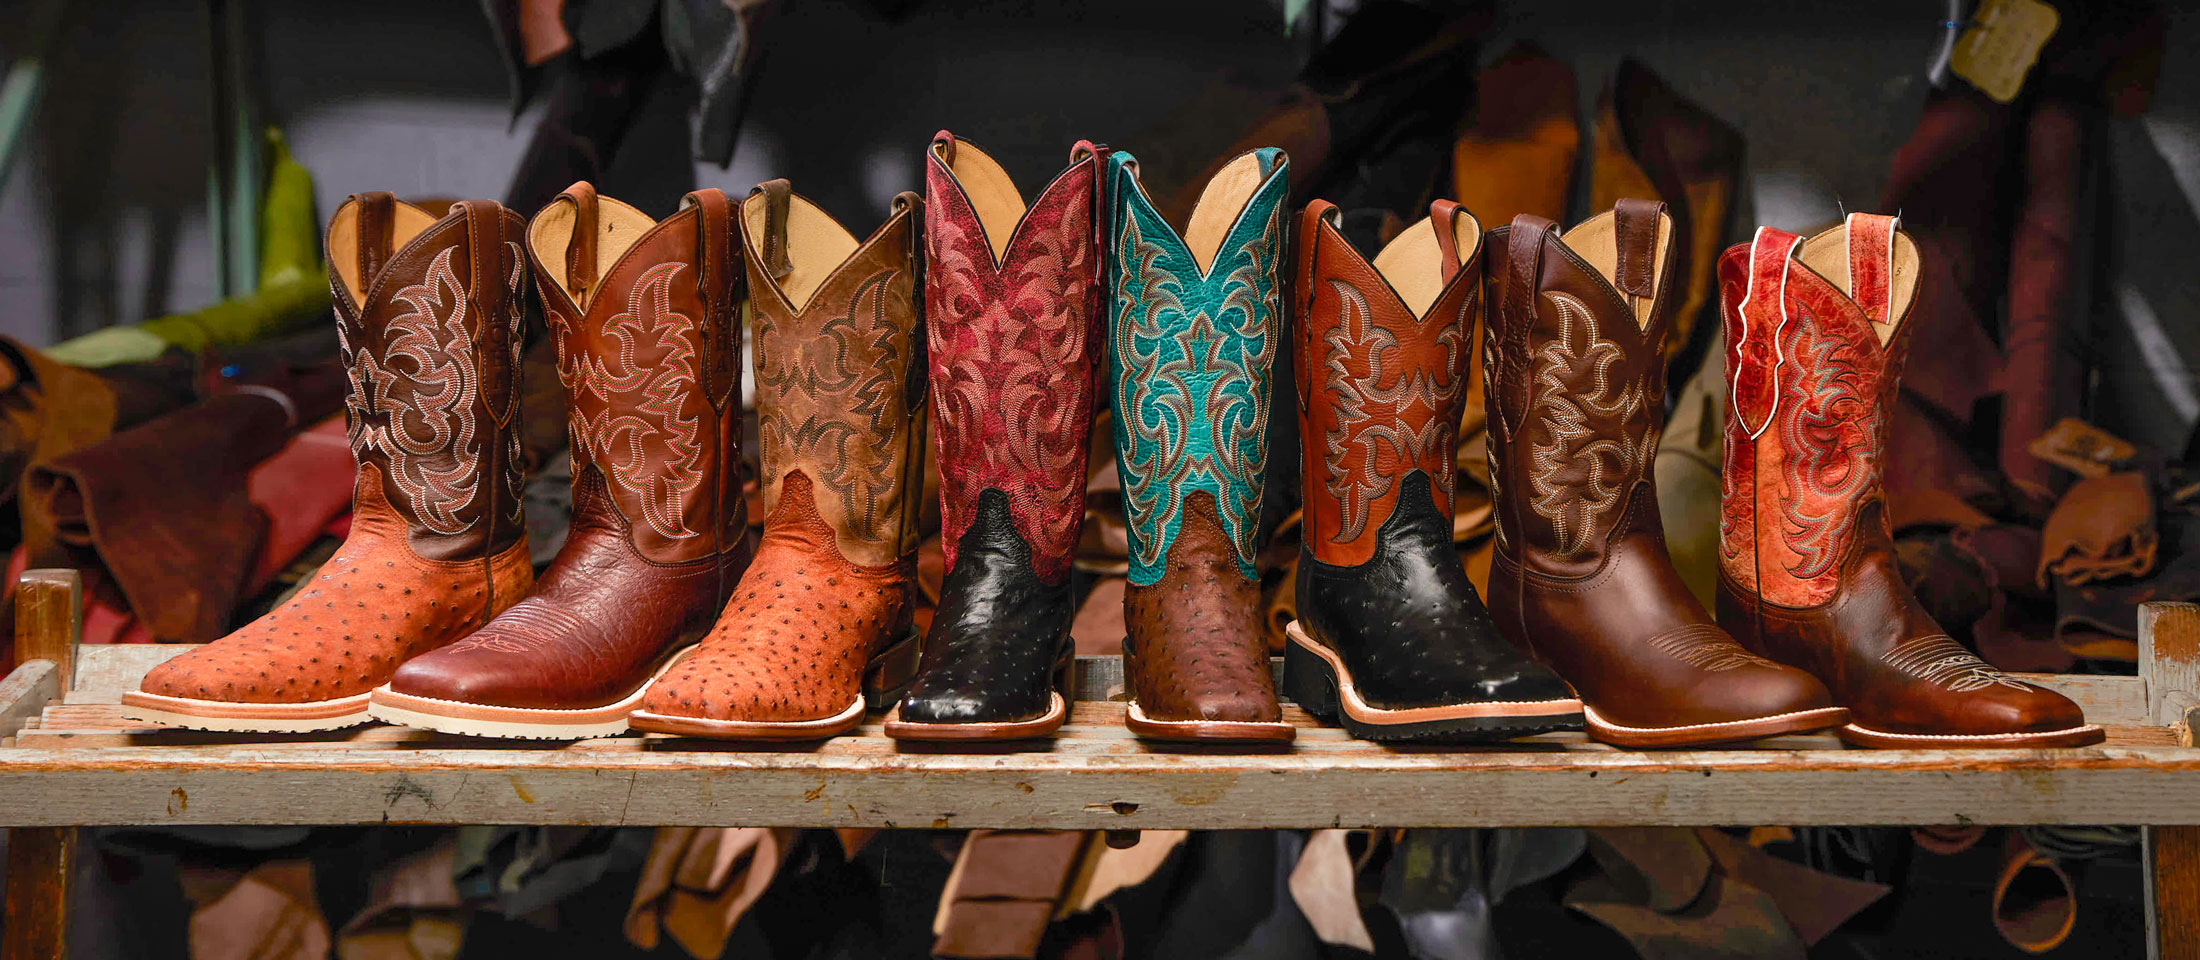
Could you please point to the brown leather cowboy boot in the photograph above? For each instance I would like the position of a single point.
(1581, 578)
(823, 617)
(428, 312)
(649, 345)
(1817, 330)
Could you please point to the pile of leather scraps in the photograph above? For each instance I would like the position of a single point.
(2035, 898)
(1678, 892)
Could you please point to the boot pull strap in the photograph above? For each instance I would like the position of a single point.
(490, 291)
(717, 286)
(1636, 272)
(1871, 264)
(1524, 273)
(778, 195)
(909, 205)
(1763, 315)
(580, 251)
(376, 213)
(1444, 217)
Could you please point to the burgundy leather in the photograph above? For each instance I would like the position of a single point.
(1575, 389)
(1807, 564)
(650, 363)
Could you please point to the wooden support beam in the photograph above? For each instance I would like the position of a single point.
(41, 862)
(49, 619)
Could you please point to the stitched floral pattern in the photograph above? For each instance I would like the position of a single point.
(1941, 661)
(1373, 443)
(1192, 360)
(414, 403)
(1014, 357)
(1828, 421)
(640, 429)
(834, 402)
(1578, 477)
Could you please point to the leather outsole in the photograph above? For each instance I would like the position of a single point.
(1318, 681)
(1234, 731)
(1042, 725)
(1707, 734)
(221, 716)
(2084, 735)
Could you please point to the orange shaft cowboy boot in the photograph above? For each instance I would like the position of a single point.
(824, 615)
(429, 315)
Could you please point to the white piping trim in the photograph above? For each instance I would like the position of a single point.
(1778, 357)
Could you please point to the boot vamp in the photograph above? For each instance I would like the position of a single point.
(997, 635)
(1195, 649)
(1408, 623)
(597, 625)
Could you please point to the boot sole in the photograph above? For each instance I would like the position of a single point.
(1237, 731)
(222, 716)
(1065, 674)
(512, 723)
(1318, 681)
(1708, 734)
(2081, 736)
(884, 679)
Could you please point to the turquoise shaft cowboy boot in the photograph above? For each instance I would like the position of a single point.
(1193, 335)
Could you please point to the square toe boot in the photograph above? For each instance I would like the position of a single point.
(1391, 640)
(821, 626)
(647, 321)
(1575, 387)
(1196, 327)
(1010, 295)
(1817, 331)
(428, 313)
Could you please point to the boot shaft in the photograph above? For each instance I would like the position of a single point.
(1574, 384)
(839, 384)
(1382, 363)
(645, 316)
(1013, 324)
(429, 314)
(1815, 332)
(1196, 324)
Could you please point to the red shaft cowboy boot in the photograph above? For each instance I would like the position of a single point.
(429, 314)
(822, 621)
(1816, 331)
(648, 334)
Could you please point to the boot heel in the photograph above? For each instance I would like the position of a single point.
(889, 674)
(1308, 683)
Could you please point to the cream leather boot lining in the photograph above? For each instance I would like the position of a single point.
(1827, 255)
(1597, 241)
(1219, 207)
(618, 226)
(406, 222)
(816, 244)
(1413, 262)
(992, 195)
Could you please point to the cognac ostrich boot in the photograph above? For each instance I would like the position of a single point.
(1391, 639)
(823, 619)
(1015, 360)
(1816, 332)
(1196, 326)
(1575, 386)
(647, 322)
(428, 314)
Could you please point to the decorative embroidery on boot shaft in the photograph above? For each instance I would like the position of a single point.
(1941, 661)
(1829, 420)
(1192, 363)
(1371, 445)
(835, 401)
(641, 433)
(422, 419)
(1579, 476)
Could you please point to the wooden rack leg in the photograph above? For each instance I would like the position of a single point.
(2169, 663)
(42, 860)
(2173, 893)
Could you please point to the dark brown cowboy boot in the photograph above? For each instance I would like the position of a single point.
(646, 316)
(429, 314)
(823, 619)
(1817, 330)
(1581, 578)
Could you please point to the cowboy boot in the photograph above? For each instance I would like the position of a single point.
(823, 617)
(1391, 639)
(428, 314)
(1015, 355)
(1807, 576)
(1581, 578)
(1196, 326)
(648, 343)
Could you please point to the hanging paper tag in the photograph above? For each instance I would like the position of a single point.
(2002, 44)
